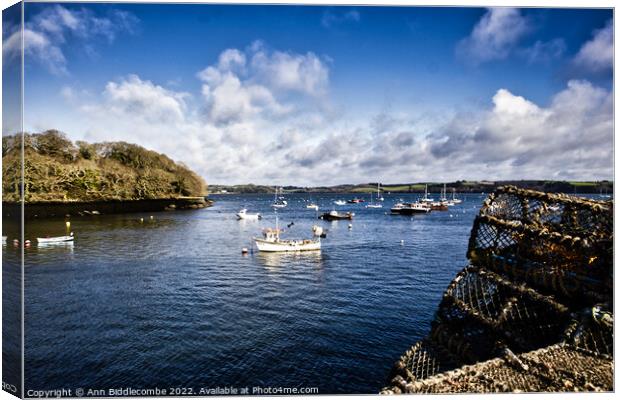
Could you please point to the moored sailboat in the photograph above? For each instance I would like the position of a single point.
(373, 205)
(279, 202)
(426, 199)
(454, 199)
(442, 204)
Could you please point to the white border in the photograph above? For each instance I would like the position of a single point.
(461, 3)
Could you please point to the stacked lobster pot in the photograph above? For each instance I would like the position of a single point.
(535, 299)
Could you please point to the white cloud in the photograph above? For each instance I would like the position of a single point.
(544, 52)
(332, 17)
(47, 32)
(235, 89)
(145, 100)
(494, 36)
(572, 138)
(304, 73)
(38, 47)
(597, 54)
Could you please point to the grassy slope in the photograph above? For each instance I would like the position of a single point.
(58, 170)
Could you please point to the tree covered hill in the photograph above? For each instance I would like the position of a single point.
(56, 169)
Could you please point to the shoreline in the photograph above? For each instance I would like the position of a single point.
(56, 209)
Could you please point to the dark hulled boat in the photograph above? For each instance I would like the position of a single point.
(335, 215)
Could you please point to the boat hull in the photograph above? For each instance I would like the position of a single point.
(55, 239)
(329, 217)
(410, 211)
(249, 217)
(287, 245)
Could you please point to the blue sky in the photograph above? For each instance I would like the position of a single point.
(309, 95)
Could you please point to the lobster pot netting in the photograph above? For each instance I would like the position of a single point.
(557, 368)
(530, 286)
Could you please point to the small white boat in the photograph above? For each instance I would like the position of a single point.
(317, 230)
(373, 205)
(243, 214)
(279, 202)
(271, 242)
(443, 198)
(313, 206)
(340, 202)
(426, 199)
(454, 199)
(56, 239)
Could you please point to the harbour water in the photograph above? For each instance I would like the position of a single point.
(172, 302)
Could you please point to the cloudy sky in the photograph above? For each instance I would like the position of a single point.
(326, 95)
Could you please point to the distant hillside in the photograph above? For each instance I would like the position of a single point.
(58, 170)
(434, 187)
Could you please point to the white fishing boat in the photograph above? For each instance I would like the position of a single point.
(243, 214)
(279, 202)
(410, 208)
(56, 239)
(340, 202)
(271, 242)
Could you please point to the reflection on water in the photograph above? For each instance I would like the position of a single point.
(313, 259)
(53, 246)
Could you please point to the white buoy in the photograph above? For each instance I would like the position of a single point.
(402, 242)
(244, 250)
(350, 226)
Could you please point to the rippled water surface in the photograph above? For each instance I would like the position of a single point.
(172, 301)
